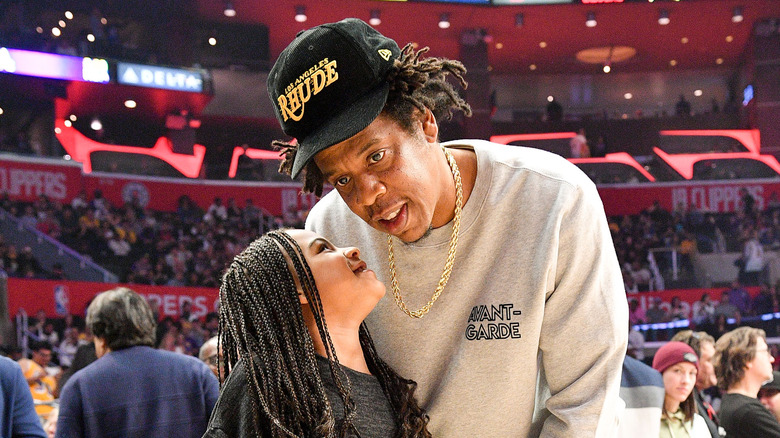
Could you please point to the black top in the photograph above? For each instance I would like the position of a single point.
(746, 417)
(232, 416)
(708, 414)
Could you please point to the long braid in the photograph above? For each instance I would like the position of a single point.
(261, 325)
(416, 83)
(315, 303)
(412, 419)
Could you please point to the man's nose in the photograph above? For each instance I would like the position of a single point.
(369, 188)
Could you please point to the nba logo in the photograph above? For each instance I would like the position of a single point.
(61, 299)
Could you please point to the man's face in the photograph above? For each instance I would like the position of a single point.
(392, 179)
(706, 377)
(770, 398)
(761, 365)
(42, 357)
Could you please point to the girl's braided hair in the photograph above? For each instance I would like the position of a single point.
(415, 84)
(260, 322)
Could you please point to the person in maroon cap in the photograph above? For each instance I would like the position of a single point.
(679, 365)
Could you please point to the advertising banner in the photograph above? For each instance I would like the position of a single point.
(716, 196)
(60, 297)
(27, 180)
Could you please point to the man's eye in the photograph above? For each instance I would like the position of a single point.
(342, 181)
(377, 156)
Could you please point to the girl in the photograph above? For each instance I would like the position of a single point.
(679, 365)
(300, 360)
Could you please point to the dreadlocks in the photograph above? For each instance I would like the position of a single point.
(262, 324)
(415, 84)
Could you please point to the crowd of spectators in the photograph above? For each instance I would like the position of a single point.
(191, 247)
(188, 247)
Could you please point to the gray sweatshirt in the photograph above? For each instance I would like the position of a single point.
(529, 335)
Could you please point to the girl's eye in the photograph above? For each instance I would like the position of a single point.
(341, 182)
(377, 156)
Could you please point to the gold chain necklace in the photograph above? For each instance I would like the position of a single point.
(445, 276)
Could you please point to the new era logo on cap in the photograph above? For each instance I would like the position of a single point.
(385, 54)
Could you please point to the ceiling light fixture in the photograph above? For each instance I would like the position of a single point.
(62, 23)
(69, 15)
(608, 61)
(375, 20)
(130, 103)
(591, 20)
(532, 66)
(212, 41)
(1, 111)
(519, 20)
(73, 117)
(56, 31)
(229, 11)
(444, 21)
(628, 96)
(90, 38)
(663, 17)
(96, 125)
(550, 98)
(737, 16)
(300, 14)
(697, 93)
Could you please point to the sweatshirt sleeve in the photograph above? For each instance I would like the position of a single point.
(585, 327)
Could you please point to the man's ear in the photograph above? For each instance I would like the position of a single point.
(429, 126)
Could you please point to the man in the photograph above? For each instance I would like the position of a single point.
(208, 354)
(523, 333)
(17, 412)
(769, 394)
(133, 389)
(42, 385)
(742, 364)
(725, 307)
(704, 347)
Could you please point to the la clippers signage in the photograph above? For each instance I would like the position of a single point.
(26, 181)
(59, 297)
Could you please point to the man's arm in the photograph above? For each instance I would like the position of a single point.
(585, 327)
(25, 422)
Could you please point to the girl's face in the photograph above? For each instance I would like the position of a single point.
(347, 287)
(679, 380)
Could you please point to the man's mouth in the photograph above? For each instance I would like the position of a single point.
(393, 219)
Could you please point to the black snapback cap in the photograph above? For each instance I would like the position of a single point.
(330, 83)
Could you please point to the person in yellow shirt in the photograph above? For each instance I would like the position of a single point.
(41, 384)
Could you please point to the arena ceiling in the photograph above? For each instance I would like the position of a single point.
(700, 33)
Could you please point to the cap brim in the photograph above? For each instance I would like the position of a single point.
(353, 119)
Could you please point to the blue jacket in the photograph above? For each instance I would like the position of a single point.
(138, 392)
(18, 417)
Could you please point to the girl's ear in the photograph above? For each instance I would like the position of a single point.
(302, 297)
